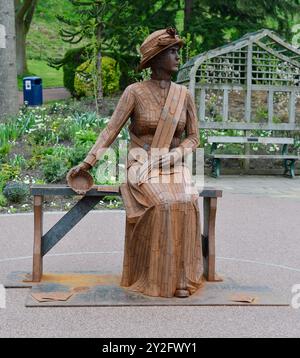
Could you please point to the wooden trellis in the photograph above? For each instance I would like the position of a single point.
(259, 61)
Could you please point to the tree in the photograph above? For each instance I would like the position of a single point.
(129, 28)
(188, 7)
(88, 26)
(212, 22)
(8, 73)
(120, 27)
(24, 10)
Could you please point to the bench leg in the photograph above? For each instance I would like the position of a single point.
(292, 168)
(37, 269)
(286, 167)
(289, 167)
(216, 167)
(208, 239)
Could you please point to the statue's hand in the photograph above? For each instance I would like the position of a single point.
(144, 170)
(171, 158)
(82, 166)
(164, 161)
(147, 167)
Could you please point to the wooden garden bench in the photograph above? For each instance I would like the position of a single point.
(237, 87)
(44, 242)
(288, 159)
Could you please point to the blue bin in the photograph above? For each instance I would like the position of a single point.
(33, 91)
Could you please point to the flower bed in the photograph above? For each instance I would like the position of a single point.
(41, 144)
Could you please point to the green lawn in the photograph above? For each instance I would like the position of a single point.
(43, 40)
(50, 76)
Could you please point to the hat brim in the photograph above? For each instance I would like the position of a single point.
(145, 62)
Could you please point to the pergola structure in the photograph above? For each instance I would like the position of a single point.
(258, 64)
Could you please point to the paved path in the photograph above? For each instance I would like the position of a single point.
(50, 94)
(271, 186)
(257, 241)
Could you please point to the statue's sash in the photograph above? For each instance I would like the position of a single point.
(169, 117)
(168, 120)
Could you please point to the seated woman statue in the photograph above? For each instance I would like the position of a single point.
(163, 254)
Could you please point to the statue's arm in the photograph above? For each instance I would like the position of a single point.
(118, 119)
(191, 140)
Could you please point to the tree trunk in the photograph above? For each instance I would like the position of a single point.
(23, 17)
(188, 4)
(21, 48)
(99, 70)
(8, 71)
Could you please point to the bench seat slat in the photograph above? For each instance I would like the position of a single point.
(253, 156)
(54, 189)
(260, 140)
(101, 190)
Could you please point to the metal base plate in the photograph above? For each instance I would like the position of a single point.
(97, 289)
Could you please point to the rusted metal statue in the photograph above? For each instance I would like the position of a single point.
(163, 255)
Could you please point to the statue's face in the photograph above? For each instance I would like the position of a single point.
(167, 60)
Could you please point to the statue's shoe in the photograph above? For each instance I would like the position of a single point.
(181, 293)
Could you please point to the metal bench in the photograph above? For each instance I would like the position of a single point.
(44, 242)
(288, 159)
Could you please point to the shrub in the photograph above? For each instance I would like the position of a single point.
(110, 78)
(71, 60)
(8, 172)
(89, 120)
(16, 192)
(9, 131)
(85, 137)
(18, 160)
(42, 133)
(4, 149)
(69, 70)
(55, 163)
(78, 154)
(5, 146)
(3, 200)
(54, 168)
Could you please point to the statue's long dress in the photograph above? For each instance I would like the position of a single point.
(162, 241)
